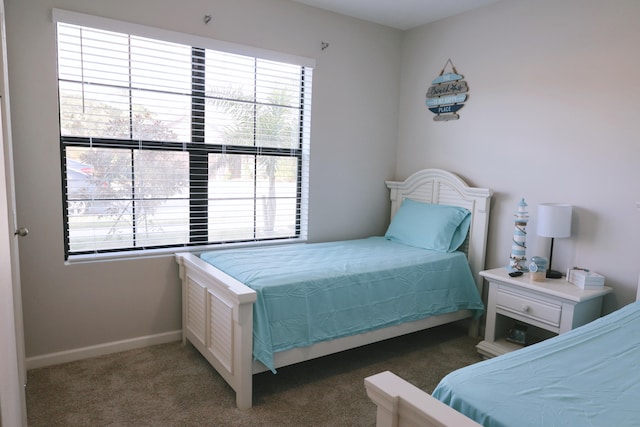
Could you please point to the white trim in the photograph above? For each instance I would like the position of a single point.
(75, 18)
(170, 252)
(101, 349)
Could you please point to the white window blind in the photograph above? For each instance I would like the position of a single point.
(168, 144)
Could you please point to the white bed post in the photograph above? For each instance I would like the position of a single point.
(243, 354)
(387, 412)
(402, 404)
(476, 252)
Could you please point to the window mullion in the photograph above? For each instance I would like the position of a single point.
(198, 159)
(255, 145)
(300, 150)
(134, 216)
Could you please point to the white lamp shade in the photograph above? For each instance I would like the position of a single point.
(554, 220)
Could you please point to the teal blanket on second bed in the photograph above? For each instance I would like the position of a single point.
(586, 377)
(307, 293)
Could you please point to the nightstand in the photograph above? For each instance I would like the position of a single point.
(551, 307)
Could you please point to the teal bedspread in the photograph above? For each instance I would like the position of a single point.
(307, 293)
(589, 376)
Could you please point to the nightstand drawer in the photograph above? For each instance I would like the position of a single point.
(529, 307)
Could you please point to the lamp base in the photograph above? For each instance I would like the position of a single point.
(553, 274)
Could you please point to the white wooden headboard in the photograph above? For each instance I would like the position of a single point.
(445, 188)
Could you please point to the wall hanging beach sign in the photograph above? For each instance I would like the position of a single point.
(447, 94)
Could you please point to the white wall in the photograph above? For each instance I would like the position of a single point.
(356, 84)
(552, 116)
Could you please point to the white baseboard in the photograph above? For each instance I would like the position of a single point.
(101, 349)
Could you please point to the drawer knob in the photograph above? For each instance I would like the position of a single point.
(525, 308)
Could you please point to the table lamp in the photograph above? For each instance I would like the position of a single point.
(554, 220)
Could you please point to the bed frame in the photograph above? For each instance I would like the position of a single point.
(217, 310)
(400, 403)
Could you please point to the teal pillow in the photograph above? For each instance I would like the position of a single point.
(440, 228)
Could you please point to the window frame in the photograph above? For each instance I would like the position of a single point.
(196, 147)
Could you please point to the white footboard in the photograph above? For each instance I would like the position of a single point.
(403, 404)
(217, 318)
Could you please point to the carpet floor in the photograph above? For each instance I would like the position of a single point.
(173, 385)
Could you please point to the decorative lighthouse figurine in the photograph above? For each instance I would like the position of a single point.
(517, 260)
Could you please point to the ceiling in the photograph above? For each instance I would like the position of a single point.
(400, 14)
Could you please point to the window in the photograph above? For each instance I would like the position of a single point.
(168, 144)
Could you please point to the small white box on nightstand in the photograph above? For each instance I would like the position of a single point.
(585, 279)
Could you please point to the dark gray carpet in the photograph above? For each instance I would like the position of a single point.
(173, 385)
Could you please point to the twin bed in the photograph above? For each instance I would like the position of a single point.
(249, 310)
(589, 376)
